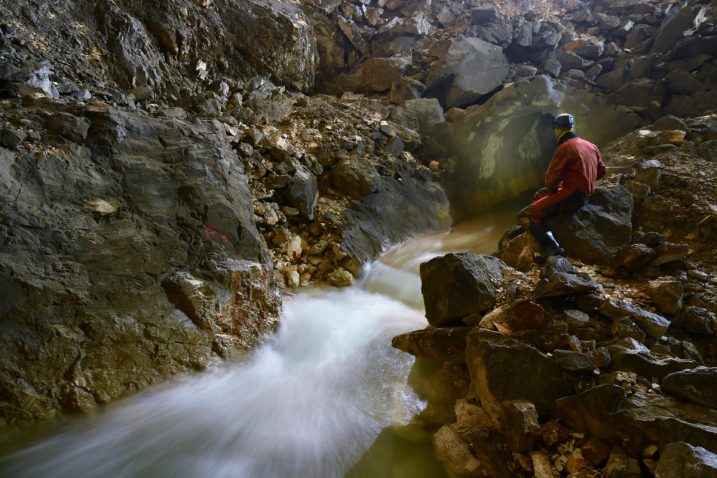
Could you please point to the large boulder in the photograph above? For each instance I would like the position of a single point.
(470, 69)
(458, 285)
(503, 368)
(600, 230)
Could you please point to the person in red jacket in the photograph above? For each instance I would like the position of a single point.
(574, 168)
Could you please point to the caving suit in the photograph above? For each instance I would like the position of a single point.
(574, 168)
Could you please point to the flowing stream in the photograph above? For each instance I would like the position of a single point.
(326, 396)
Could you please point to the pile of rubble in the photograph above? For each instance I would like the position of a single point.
(600, 364)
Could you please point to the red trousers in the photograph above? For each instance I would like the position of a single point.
(546, 204)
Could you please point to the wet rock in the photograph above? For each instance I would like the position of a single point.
(698, 385)
(340, 278)
(455, 454)
(682, 460)
(459, 284)
(446, 344)
(193, 297)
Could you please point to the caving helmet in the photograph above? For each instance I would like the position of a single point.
(564, 121)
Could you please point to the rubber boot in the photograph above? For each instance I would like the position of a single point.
(547, 242)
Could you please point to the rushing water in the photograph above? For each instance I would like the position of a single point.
(308, 404)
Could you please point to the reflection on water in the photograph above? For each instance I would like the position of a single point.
(310, 403)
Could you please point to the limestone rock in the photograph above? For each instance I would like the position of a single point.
(459, 284)
(503, 369)
(445, 344)
(470, 69)
(698, 385)
(682, 460)
(455, 454)
(597, 232)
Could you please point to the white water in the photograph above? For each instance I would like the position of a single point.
(307, 404)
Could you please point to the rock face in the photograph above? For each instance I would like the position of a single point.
(457, 285)
(163, 177)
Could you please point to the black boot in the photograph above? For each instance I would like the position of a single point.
(546, 240)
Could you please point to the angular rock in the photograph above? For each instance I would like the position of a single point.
(503, 369)
(653, 324)
(645, 364)
(558, 283)
(459, 284)
(355, 177)
(666, 294)
(697, 385)
(445, 344)
(470, 69)
(682, 460)
(303, 192)
(696, 320)
(597, 232)
(455, 453)
(520, 425)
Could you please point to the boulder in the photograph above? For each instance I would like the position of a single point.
(559, 278)
(470, 69)
(457, 285)
(682, 460)
(445, 344)
(653, 324)
(455, 454)
(303, 192)
(503, 368)
(597, 232)
(673, 29)
(607, 412)
(395, 210)
(666, 293)
(355, 177)
(697, 385)
(696, 320)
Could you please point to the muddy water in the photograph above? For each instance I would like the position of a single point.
(327, 396)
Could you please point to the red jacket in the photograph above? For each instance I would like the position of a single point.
(575, 166)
